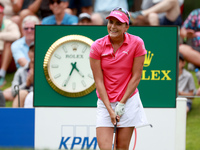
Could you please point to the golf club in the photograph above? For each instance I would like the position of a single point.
(115, 128)
(144, 126)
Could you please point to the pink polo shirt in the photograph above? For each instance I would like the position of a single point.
(117, 68)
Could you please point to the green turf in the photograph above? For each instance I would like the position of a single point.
(9, 78)
(193, 124)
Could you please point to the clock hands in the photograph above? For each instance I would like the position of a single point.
(66, 81)
(73, 67)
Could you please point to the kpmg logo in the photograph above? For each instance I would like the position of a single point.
(154, 74)
(78, 137)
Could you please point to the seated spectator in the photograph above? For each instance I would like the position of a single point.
(22, 78)
(81, 6)
(170, 7)
(186, 85)
(19, 101)
(29, 100)
(18, 5)
(8, 8)
(102, 10)
(59, 17)
(39, 8)
(198, 92)
(8, 34)
(140, 21)
(13, 8)
(84, 19)
(2, 100)
(20, 47)
(149, 3)
(190, 30)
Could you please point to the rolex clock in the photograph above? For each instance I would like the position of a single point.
(67, 67)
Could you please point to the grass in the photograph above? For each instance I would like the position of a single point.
(9, 78)
(193, 122)
(193, 117)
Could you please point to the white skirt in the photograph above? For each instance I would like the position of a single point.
(134, 113)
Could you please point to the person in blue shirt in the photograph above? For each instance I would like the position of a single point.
(20, 47)
(59, 17)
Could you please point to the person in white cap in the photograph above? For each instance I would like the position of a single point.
(117, 63)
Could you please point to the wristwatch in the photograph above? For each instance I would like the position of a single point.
(67, 66)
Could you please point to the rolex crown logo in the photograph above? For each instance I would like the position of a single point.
(148, 58)
(74, 46)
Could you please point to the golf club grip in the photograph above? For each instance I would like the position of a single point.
(115, 128)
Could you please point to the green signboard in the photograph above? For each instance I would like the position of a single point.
(159, 78)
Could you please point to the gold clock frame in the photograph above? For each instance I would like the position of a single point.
(49, 53)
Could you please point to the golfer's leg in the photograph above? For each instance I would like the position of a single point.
(123, 137)
(104, 137)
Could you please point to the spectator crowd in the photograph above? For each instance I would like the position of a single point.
(17, 30)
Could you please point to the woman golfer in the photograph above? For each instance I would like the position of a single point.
(117, 63)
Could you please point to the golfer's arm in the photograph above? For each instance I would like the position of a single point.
(99, 82)
(136, 76)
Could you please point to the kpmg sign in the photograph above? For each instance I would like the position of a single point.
(78, 137)
(78, 143)
(159, 77)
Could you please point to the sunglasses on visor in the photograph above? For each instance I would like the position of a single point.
(123, 10)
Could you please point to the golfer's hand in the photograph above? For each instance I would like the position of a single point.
(113, 117)
(119, 109)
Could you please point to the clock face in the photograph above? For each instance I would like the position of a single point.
(67, 66)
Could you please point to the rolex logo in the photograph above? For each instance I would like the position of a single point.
(74, 46)
(148, 58)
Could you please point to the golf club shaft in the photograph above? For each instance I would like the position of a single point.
(144, 126)
(113, 142)
(115, 129)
